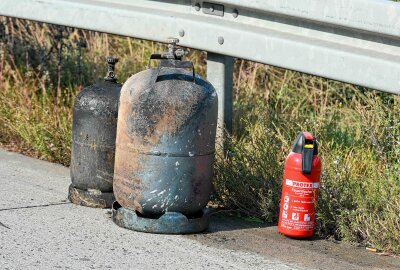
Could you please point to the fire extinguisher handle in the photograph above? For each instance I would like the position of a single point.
(306, 145)
(307, 159)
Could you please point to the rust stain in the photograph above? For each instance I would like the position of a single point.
(128, 189)
(159, 110)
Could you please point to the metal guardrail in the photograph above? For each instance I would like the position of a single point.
(354, 41)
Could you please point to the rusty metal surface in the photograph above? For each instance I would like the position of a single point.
(91, 198)
(165, 143)
(93, 136)
(167, 223)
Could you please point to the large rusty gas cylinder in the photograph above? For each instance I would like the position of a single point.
(165, 145)
(93, 142)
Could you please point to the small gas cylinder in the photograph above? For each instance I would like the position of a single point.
(300, 187)
(165, 146)
(94, 127)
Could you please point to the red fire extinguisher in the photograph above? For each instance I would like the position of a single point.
(300, 186)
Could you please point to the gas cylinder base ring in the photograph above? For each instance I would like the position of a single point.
(90, 198)
(168, 223)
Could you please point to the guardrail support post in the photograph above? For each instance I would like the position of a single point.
(220, 75)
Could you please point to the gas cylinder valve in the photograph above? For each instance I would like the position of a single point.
(173, 51)
(111, 61)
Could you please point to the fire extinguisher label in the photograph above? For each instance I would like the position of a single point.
(297, 184)
(299, 205)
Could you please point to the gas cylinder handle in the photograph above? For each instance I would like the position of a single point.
(171, 63)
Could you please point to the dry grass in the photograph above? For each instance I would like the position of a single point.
(42, 68)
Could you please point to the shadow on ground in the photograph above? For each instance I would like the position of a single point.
(230, 232)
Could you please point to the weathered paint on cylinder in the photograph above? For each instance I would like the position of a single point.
(93, 136)
(169, 222)
(165, 142)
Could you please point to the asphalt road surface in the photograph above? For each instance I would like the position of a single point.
(40, 229)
